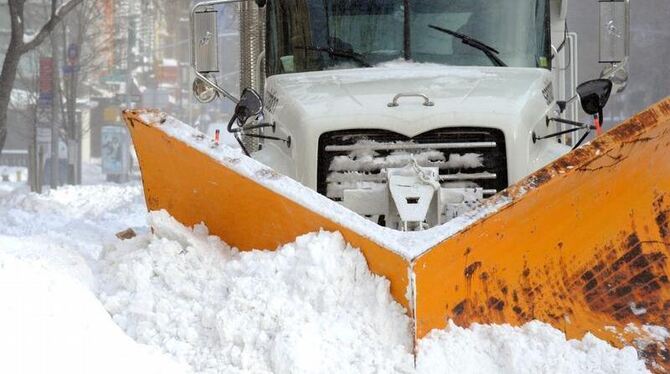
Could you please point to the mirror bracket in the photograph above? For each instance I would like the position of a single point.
(618, 74)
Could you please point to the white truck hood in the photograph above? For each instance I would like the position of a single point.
(463, 96)
(306, 105)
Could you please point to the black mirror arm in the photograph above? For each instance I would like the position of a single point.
(287, 141)
(601, 117)
(554, 135)
(230, 128)
(235, 133)
(260, 126)
(239, 129)
(577, 126)
(579, 142)
(562, 104)
(568, 122)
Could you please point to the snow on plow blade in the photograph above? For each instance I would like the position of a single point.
(581, 244)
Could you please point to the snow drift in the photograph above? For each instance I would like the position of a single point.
(312, 306)
(51, 323)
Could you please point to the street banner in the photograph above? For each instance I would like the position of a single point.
(46, 81)
(72, 65)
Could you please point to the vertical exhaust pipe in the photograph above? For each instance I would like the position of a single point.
(252, 64)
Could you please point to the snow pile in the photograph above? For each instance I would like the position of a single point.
(16, 178)
(14, 173)
(68, 226)
(310, 307)
(92, 172)
(533, 348)
(51, 323)
(69, 208)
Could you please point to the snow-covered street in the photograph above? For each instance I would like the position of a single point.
(188, 302)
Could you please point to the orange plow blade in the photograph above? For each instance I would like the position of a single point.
(582, 244)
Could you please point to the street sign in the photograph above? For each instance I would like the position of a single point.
(46, 81)
(43, 135)
(117, 76)
(44, 116)
(115, 150)
(70, 69)
(73, 54)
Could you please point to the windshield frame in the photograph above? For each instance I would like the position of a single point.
(407, 51)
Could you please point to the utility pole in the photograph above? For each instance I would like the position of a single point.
(55, 162)
(131, 38)
(33, 168)
(73, 126)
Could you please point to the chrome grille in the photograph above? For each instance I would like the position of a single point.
(466, 157)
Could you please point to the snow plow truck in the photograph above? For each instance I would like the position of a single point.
(444, 138)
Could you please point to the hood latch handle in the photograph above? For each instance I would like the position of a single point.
(426, 99)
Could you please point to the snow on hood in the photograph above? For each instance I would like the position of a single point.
(452, 89)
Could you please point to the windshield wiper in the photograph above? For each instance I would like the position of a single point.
(338, 53)
(489, 51)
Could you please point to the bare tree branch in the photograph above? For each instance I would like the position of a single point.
(18, 47)
(57, 14)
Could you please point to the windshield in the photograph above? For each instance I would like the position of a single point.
(309, 35)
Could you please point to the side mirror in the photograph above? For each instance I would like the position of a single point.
(615, 40)
(203, 91)
(250, 105)
(614, 30)
(205, 41)
(594, 95)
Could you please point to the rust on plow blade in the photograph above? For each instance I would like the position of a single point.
(582, 244)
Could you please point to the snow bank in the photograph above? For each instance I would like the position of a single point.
(14, 173)
(310, 307)
(51, 323)
(17, 178)
(70, 208)
(535, 347)
(67, 227)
